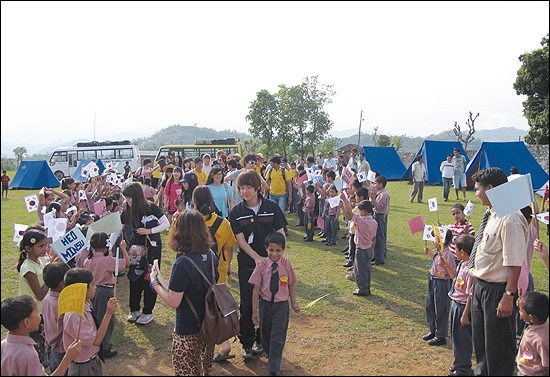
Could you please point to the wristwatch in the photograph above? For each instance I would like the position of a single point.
(508, 293)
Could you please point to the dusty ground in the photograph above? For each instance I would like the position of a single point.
(312, 348)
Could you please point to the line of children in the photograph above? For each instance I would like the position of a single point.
(331, 216)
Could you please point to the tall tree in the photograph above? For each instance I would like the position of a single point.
(471, 131)
(383, 141)
(264, 117)
(532, 81)
(19, 152)
(396, 142)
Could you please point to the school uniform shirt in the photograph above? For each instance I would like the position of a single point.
(80, 258)
(463, 283)
(255, 227)
(262, 277)
(502, 245)
(102, 267)
(185, 278)
(439, 272)
(53, 325)
(458, 229)
(534, 340)
(309, 203)
(278, 183)
(220, 196)
(331, 211)
(447, 169)
(148, 191)
(381, 202)
(19, 358)
(224, 238)
(365, 231)
(88, 332)
(24, 286)
(201, 177)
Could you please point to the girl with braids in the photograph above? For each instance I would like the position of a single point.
(33, 246)
(101, 262)
(224, 239)
(143, 223)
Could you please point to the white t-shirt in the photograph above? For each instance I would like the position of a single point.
(418, 171)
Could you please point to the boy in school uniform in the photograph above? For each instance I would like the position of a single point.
(273, 285)
(19, 358)
(380, 199)
(461, 301)
(53, 324)
(309, 206)
(88, 363)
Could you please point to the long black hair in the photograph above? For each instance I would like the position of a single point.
(140, 206)
(202, 198)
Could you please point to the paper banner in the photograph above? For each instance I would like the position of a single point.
(338, 184)
(57, 228)
(362, 177)
(32, 202)
(99, 207)
(321, 223)
(301, 180)
(542, 217)
(49, 217)
(72, 299)
(333, 202)
(511, 196)
(432, 204)
(18, 232)
(108, 224)
(429, 233)
(70, 245)
(371, 176)
(314, 302)
(523, 280)
(347, 176)
(416, 224)
(468, 209)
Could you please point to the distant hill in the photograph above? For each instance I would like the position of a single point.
(413, 144)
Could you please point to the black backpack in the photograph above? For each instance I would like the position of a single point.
(213, 229)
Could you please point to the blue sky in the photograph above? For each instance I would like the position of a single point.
(414, 68)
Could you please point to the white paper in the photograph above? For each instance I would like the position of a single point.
(109, 224)
(511, 196)
(371, 176)
(48, 217)
(468, 209)
(333, 201)
(31, 202)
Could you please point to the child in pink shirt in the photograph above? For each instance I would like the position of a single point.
(19, 358)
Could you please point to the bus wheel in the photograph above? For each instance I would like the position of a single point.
(59, 175)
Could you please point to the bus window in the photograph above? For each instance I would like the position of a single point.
(59, 157)
(106, 154)
(86, 155)
(126, 153)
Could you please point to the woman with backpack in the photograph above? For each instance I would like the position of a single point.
(224, 239)
(191, 355)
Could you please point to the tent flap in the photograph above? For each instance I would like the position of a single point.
(34, 175)
(386, 161)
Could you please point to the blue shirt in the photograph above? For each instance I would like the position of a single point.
(219, 194)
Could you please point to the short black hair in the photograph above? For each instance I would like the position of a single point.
(147, 181)
(464, 242)
(331, 174)
(365, 205)
(356, 183)
(449, 155)
(310, 160)
(78, 275)
(276, 159)
(310, 188)
(147, 161)
(490, 176)
(363, 192)
(419, 156)
(382, 180)
(276, 238)
(15, 309)
(459, 206)
(514, 170)
(250, 157)
(54, 273)
(534, 303)
(231, 162)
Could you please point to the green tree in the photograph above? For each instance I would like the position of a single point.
(396, 142)
(19, 152)
(264, 117)
(532, 81)
(8, 164)
(383, 141)
(331, 144)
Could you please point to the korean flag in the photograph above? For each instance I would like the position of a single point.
(32, 202)
(432, 204)
(362, 177)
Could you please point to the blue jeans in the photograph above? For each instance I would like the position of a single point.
(447, 187)
(55, 359)
(363, 269)
(438, 306)
(281, 200)
(309, 232)
(461, 337)
(380, 249)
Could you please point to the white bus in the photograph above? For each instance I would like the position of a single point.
(65, 160)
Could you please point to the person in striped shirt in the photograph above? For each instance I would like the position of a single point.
(461, 226)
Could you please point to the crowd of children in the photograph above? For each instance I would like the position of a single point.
(318, 201)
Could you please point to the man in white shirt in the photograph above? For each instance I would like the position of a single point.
(418, 177)
(447, 169)
(320, 160)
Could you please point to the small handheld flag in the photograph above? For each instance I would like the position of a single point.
(32, 202)
(72, 299)
(469, 208)
(416, 224)
(432, 203)
(362, 177)
(314, 302)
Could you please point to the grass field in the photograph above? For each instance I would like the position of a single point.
(395, 313)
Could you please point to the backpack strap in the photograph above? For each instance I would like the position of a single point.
(205, 278)
(214, 229)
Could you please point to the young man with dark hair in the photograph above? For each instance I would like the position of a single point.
(497, 255)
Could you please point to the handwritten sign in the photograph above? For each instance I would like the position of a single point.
(32, 203)
(72, 299)
(70, 245)
(347, 176)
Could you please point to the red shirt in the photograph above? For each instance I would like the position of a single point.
(5, 180)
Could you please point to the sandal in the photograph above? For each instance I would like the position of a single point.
(220, 357)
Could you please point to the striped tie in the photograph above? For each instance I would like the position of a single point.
(471, 261)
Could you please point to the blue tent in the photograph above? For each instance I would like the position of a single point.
(386, 161)
(34, 175)
(77, 176)
(504, 155)
(435, 152)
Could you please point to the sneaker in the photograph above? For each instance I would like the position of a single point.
(133, 316)
(246, 353)
(257, 348)
(144, 319)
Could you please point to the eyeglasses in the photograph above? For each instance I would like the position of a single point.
(252, 162)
